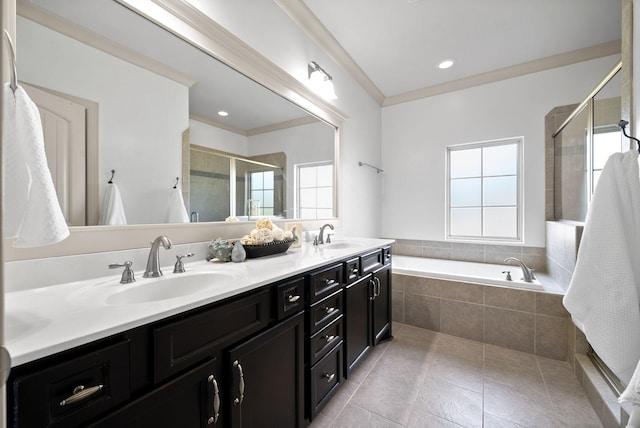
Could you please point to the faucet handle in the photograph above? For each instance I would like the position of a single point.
(508, 278)
(127, 275)
(328, 241)
(179, 266)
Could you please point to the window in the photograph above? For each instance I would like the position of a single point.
(606, 141)
(262, 190)
(484, 191)
(314, 190)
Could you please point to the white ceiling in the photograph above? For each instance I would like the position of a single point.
(391, 46)
(398, 43)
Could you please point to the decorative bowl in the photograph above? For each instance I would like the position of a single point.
(271, 248)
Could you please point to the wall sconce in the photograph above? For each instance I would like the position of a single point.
(321, 81)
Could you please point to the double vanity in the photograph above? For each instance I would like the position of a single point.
(266, 342)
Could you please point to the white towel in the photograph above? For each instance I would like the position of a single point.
(32, 212)
(112, 208)
(176, 212)
(603, 295)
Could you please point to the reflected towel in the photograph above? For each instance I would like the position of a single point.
(32, 213)
(112, 209)
(603, 294)
(176, 212)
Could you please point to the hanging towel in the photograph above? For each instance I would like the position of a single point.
(112, 208)
(176, 212)
(603, 294)
(32, 212)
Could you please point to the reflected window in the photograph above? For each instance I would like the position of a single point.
(314, 190)
(606, 141)
(484, 190)
(262, 190)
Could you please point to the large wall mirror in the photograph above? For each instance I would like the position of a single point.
(150, 112)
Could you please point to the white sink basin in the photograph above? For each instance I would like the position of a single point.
(340, 245)
(145, 290)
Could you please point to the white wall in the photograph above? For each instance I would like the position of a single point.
(140, 138)
(206, 135)
(415, 136)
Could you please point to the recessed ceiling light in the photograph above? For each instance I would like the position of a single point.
(445, 63)
(223, 113)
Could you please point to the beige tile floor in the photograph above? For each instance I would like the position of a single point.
(427, 379)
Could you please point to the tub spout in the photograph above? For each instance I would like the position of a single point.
(527, 272)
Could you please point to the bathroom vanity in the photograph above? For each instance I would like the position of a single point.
(269, 351)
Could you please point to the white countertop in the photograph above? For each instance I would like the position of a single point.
(43, 321)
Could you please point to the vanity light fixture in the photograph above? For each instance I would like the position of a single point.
(223, 113)
(446, 63)
(321, 81)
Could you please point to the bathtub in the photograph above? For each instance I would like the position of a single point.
(478, 273)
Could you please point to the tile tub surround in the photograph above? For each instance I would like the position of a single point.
(534, 257)
(440, 380)
(523, 320)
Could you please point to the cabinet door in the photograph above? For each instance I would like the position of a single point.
(189, 401)
(381, 304)
(267, 378)
(357, 322)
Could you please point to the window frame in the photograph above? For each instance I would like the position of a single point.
(297, 168)
(519, 142)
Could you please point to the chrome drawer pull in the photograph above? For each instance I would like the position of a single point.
(329, 281)
(80, 393)
(378, 288)
(240, 399)
(292, 299)
(329, 377)
(354, 271)
(216, 401)
(328, 338)
(328, 309)
(373, 290)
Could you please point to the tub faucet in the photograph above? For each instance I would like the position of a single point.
(527, 272)
(153, 262)
(321, 236)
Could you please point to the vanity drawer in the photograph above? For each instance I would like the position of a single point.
(351, 270)
(371, 261)
(322, 313)
(181, 344)
(289, 298)
(71, 393)
(324, 282)
(326, 378)
(325, 340)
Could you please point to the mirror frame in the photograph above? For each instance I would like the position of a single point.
(190, 24)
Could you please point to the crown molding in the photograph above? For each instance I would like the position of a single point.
(217, 124)
(310, 23)
(81, 34)
(307, 120)
(548, 63)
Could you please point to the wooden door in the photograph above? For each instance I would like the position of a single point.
(64, 128)
(382, 305)
(357, 322)
(267, 378)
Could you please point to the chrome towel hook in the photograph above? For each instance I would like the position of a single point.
(12, 58)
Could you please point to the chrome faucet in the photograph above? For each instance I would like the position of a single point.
(153, 262)
(527, 272)
(321, 236)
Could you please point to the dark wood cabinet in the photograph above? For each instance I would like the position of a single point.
(267, 378)
(381, 304)
(191, 400)
(367, 307)
(358, 325)
(272, 357)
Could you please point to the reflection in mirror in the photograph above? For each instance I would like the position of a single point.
(583, 144)
(146, 97)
